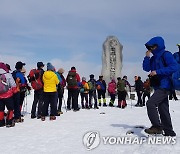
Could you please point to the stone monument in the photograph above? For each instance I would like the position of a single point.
(111, 59)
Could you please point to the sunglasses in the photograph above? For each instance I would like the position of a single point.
(151, 47)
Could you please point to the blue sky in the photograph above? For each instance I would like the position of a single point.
(71, 32)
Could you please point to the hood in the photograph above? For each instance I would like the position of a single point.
(159, 41)
(49, 74)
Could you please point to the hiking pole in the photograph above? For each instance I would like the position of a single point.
(23, 108)
(64, 104)
(131, 98)
(24, 105)
(26, 101)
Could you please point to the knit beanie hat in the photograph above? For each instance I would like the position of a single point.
(83, 78)
(61, 70)
(50, 67)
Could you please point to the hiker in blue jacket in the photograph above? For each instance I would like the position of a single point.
(161, 66)
(177, 58)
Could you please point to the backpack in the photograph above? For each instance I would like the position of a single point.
(176, 80)
(121, 85)
(111, 87)
(177, 57)
(92, 85)
(35, 79)
(3, 84)
(71, 79)
(100, 85)
(81, 90)
(60, 89)
(14, 75)
(175, 76)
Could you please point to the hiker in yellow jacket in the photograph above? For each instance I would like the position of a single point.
(50, 80)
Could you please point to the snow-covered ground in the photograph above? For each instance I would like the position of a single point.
(65, 135)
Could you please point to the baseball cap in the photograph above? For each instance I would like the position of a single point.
(19, 65)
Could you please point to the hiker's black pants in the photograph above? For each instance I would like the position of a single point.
(121, 96)
(139, 95)
(38, 100)
(72, 97)
(16, 99)
(50, 98)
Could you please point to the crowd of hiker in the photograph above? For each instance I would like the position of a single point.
(49, 86)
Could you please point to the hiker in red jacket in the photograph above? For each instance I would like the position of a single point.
(7, 89)
(73, 79)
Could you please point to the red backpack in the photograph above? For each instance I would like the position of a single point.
(35, 78)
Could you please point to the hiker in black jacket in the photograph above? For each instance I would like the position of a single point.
(139, 90)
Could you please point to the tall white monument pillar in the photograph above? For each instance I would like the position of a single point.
(111, 59)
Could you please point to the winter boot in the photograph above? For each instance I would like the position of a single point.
(19, 120)
(96, 107)
(90, 106)
(83, 107)
(10, 123)
(104, 104)
(33, 116)
(87, 107)
(111, 103)
(2, 123)
(43, 118)
(153, 130)
(119, 104)
(52, 118)
(172, 134)
(123, 104)
(38, 116)
(60, 112)
(99, 100)
(176, 99)
(137, 105)
(170, 97)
